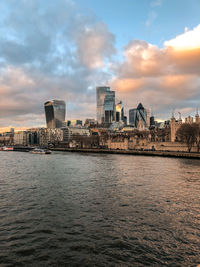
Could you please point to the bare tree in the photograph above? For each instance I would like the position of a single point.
(188, 133)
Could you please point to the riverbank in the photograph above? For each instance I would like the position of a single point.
(132, 152)
(174, 154)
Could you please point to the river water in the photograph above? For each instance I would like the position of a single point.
(73, 209)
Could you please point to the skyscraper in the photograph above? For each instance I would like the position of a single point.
(105, 104)
(139, 114)
(109, 107)
(119, 111)
(100, 95)
(55, 113)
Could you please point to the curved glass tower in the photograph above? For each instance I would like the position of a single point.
(139, 114)
(55, 113)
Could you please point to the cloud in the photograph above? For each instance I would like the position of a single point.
(127, 85)
(162, 78)
(45, 35)
(141, 58)
(95, 44)
(50, 51)
(23, 94)
(54, 50)
(189, 40)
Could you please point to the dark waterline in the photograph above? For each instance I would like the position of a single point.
(69, 209)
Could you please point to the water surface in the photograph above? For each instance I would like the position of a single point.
(73, 209)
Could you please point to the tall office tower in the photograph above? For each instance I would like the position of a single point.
(100, 95)
(55, 113)
(139, 114)
(120, 112)
(109, 107)
(105, 104)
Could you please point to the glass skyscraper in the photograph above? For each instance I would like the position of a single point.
(55, 113)
(105, 104)
(109, 107)
(139, 114)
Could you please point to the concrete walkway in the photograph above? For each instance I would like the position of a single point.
(133, 152)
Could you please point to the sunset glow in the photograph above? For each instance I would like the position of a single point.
(64, 50)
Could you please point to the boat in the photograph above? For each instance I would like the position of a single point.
(8, 148)
(40, 151)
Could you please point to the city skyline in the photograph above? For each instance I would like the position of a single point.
(44, 55)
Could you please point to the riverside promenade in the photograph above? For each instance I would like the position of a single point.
(173, 154)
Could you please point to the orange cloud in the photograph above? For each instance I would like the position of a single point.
(127, 85)
(142, 59)
(180, 86)
(173, 81)
(169, 76)
(184, 60)
(179, 56)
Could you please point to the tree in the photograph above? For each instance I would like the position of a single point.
(198, 137)
(188, 133)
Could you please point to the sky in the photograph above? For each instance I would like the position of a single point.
(146, 50)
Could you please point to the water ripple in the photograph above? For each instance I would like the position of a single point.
(98, 210)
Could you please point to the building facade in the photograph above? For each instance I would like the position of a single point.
(105, 104)
(71, 132)
(74, 123)
(100, 96)
(109, 107)
(176, 124)
(189, 120)
(139, 117)
(21, 138)
(49, 136)
(120, 112)
(55, 113)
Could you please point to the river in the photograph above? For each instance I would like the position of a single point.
(74, 209)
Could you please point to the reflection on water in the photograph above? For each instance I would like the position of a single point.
(98, 210)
